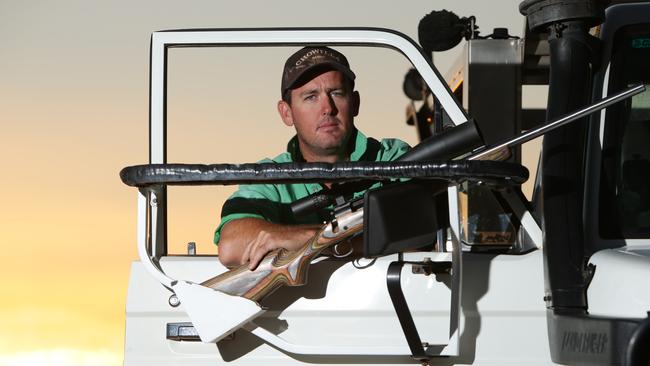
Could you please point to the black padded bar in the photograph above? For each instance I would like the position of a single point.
(224, 174)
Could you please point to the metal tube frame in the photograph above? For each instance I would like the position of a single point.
(163, 40)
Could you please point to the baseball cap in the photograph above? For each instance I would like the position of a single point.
(310, 59)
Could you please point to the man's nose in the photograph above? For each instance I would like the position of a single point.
(328, 107)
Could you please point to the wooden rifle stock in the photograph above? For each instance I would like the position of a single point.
(283, 267)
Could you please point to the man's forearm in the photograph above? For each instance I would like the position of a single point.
(247, 240)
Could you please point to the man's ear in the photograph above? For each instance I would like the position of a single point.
(285, 112)
(356, 101)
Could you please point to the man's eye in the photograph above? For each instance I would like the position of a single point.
(338, 93)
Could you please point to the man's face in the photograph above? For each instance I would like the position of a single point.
(322, 111)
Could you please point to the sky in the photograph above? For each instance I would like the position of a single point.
(74, 111)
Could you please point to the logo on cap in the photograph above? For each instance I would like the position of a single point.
(312, 58)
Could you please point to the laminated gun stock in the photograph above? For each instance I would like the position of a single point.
(282, 267)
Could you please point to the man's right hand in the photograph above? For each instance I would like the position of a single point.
(248, 240)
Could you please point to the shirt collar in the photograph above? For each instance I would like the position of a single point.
(358, 144)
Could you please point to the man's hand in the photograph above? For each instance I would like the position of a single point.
(248, 240)
(287, 237)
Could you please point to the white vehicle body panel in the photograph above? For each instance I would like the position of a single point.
(347, 310)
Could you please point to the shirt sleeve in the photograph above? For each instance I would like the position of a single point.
(250, 201)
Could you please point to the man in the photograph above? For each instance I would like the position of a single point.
(319, 101)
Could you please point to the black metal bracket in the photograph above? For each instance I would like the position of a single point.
(393, 281)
